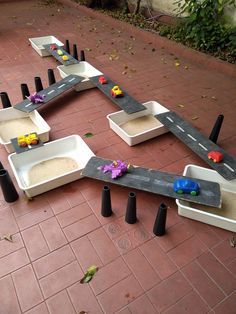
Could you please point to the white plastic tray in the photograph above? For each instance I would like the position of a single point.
(72, 146)
(41, 126)
(118, 118)
(216, 217)
(38, 42)
(84, 69)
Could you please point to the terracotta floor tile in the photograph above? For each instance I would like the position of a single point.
(205, 286)
(224, 252)
(187, 251)
(232, 267)
(141, 305)
(120, 294)
(53, 234)
(227, 306)
(39, 309)
(74, 214)
(174, 236)
(7, 247)
(72, 194)
(169, 291)
(58, 201)
(85, 253)
(53, 261)
(24, 206)
(8, 299)
(116, 228)
(82, 227)
(191, 303)
(86, 301)
(109, 275)
(60, 304)
(13, 261)
(101, 242)
(141, 269)
(60, 279)
(217, 272)
(35, 243)
(34, 217)
(158, 259)
(124, 311)
(28, 291)
(7, 223)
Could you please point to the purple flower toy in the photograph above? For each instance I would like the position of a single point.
(117, 168)
(36, 98)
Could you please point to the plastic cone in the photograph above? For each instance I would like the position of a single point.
(130, 216)
(38, 84)
(75, 54)
(67, 46)
(51, 77)
(106, 210)
(8, 189)
(160, 222)
(5, 100)
(216, 129)
(24, 90)
(82, 55)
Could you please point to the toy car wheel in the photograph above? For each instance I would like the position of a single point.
(193, 193)
(180, 191)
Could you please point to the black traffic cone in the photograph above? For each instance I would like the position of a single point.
(106, 210)
(5, 100)
(8, 189)
(24, 90)
(51, 77)
(130, 216)
(160, 222)
(75, 54)
(82, 55)
(1, 166)
(67, 46)
(216, 129)
(38, 84)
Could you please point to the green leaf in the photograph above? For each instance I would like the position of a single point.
(86, 279)
(89, 134)
(92, 270)
(8, 238)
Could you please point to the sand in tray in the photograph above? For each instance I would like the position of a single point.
(140, 125)
(15, 127)
(51, 168)
(227, 210)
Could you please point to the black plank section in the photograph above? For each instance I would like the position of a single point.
(127, 103)
(51, 92)
(54, 53)
(155, 182)
(198, 143)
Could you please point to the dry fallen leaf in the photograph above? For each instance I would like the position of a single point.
(181, 106)
(186, 67)
(88, 49)
(8, 238)
(214, 98)
(232, 242)
(195, 118)
(204, 96)
(177, 63)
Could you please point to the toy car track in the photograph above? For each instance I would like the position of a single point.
(155, 182)
(127, 103)
(198, 143)
(54, 53)
(51, 92)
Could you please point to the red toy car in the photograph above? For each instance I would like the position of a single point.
(215, 156)
(102, 80)
(53, 47)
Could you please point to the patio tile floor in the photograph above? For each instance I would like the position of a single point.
(59, 234)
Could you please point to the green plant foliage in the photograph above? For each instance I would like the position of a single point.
(205, 26)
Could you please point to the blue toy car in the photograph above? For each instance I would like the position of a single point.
(186, 186)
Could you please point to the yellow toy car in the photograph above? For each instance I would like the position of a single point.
(65, 58)
(116, 92)
(59, 52)
(25, 140)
